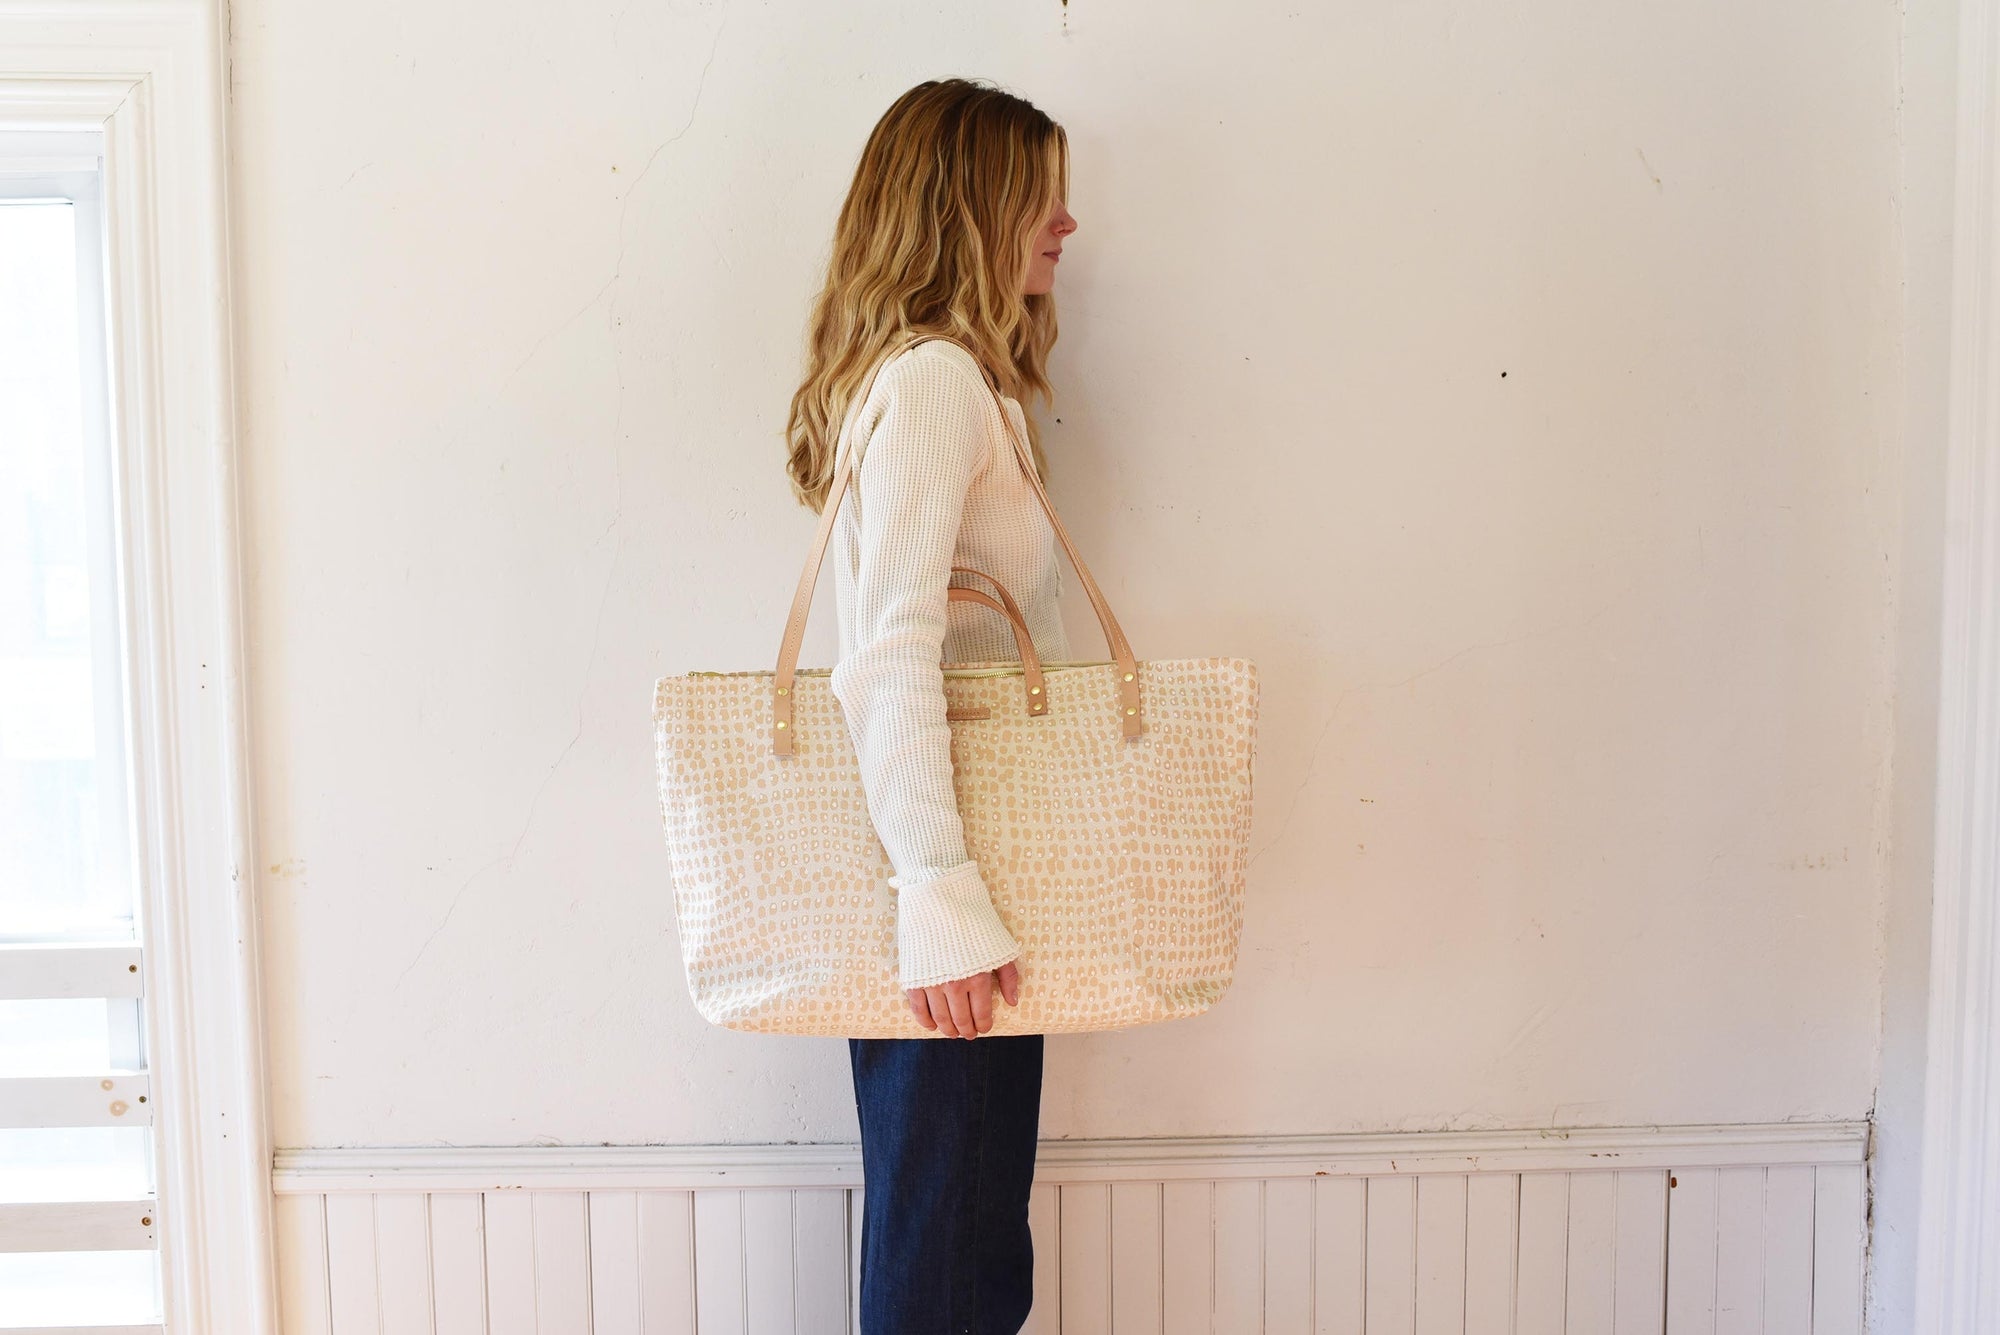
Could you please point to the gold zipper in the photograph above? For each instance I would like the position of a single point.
(1014, 669)
(1000, 670)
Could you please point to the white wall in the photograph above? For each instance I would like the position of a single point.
(1520, 386)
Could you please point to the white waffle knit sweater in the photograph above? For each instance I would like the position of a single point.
(937, 484)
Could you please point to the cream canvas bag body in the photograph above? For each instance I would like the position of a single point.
(1107, 805)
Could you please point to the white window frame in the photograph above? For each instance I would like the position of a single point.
(151, 74)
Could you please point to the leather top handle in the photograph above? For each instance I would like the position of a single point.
(1031, 664)
(795, 624)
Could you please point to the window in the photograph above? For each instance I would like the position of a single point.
(77, 1193)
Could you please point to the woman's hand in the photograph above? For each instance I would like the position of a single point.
(963, 1008)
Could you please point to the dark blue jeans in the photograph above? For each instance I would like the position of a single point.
(948, 1128)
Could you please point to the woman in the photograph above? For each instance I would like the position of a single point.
(943, 262)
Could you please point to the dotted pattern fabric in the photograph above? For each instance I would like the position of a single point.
(1118, 865)
(937, 483)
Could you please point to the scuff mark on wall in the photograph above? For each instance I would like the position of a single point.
(1657, 185)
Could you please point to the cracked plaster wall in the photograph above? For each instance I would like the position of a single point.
(1518, 386)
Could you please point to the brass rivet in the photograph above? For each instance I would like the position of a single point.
(1128, 676)
(1034, 690)
(781, 723)
(783, 691)
(1129, 711)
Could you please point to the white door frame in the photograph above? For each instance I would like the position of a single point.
(151, 74)
(1958, 1243)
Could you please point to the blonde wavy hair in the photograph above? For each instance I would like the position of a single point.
(936, 235)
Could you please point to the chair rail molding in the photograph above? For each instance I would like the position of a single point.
(1139, 1159)
(151, 75)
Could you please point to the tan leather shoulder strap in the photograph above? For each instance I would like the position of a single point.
(782, 682)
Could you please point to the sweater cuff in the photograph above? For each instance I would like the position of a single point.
(947, 928)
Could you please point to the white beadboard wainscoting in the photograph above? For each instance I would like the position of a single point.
(1722, 1230)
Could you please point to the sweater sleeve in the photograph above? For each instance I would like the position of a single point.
(914, 469)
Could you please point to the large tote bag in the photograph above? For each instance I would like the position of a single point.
(1107, 805)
